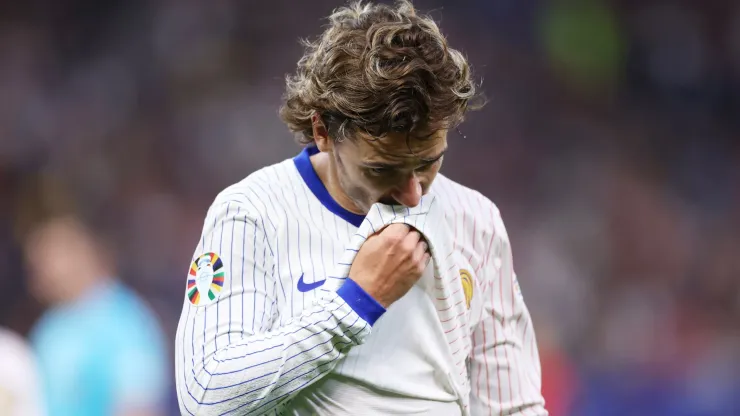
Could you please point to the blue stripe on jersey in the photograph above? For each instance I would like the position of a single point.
(372, 227)
(305, 168)
(220, 253)
(337, 347)
(205, 310)
(264, 281)
(278, 345)
(277, 242)
(310, 242)
(231, 271)
(215, 358)
(318, 227)
(360, 301)
(334, 348)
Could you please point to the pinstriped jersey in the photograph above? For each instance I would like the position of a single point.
(257, 337)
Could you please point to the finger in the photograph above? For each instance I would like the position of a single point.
(423, 263)
(420, 250)
(411, 240)
(396, 230)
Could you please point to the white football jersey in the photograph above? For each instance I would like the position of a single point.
(256, 337)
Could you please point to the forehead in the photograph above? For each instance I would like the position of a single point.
(398, 147)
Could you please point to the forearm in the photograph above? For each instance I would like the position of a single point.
(258, 372)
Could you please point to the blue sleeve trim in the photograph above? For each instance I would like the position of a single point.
(363, 304)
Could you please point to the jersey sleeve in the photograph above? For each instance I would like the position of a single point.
(505, 373)
(231, 356)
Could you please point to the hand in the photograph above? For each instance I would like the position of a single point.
(390, 262)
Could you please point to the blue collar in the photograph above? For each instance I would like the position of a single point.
(312, 180)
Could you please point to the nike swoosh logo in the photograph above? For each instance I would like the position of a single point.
(307, 287)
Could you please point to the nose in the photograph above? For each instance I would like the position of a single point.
(408, 193)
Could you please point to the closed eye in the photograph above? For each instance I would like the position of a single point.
(379, 171)
(429, 164)
(426, 166)
(391, 170)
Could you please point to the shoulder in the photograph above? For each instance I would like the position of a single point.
(257, 196)
(467, 206)
(49, 328)
(472, 218)
(268, 182)
(134, 324)
(129, 308)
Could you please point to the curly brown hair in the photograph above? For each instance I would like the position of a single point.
(378, 69)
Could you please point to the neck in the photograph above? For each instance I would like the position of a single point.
(323, 165)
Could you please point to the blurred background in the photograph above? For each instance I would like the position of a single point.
(611, 143)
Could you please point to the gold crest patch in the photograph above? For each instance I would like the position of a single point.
(467, 283)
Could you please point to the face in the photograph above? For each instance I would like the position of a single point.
(392, 170)
(57, 255)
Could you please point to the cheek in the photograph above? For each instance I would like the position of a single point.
(353, 182)
(366, 186)
(428, 177)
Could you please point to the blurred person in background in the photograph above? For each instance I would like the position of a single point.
(20, 393)
(100, 349)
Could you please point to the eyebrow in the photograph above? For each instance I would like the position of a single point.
(381, 165)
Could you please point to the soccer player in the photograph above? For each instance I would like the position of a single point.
(372, 101)
(100, 350)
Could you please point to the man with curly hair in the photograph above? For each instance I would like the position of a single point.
(372, 101)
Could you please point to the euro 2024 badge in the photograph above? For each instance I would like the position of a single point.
(205, 279)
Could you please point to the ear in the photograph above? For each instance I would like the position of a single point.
(320, 134)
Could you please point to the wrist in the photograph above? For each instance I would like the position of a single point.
(362, 302)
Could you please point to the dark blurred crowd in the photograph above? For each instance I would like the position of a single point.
(610, 141)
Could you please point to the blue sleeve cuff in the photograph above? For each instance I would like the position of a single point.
(363, 304)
